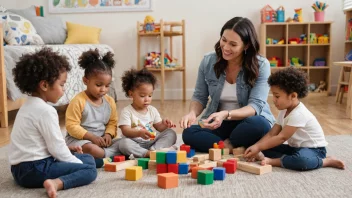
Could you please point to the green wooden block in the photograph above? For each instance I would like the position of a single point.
(160, 157)
(41, 11)
(222, 151)
(205, 177)
(143, 162)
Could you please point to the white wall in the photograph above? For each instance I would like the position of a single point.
(204, 20)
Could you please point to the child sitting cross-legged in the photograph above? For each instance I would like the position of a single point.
(296, 125)
(137, 119)
(38, 153)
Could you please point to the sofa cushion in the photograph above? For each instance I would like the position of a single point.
(26, 13)
(51, 29)
(81, 34)
(19, 31)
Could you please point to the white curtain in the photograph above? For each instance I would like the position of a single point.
(347, 4)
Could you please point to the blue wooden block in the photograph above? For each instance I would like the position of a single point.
(183, 169)
(219, 173)
(171, 157)
(191, 153)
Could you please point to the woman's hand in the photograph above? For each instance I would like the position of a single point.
(188, 120)
(77, 149)
(214, 121)
(168, 123)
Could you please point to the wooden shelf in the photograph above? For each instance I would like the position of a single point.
(168, 29)
(307, 53)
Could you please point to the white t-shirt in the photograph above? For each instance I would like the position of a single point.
(36, 134)
(130, 117)
(228, 97)
(309, 133)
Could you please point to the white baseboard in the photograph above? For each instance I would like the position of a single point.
(170, 94)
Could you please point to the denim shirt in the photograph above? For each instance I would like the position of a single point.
(208, 85)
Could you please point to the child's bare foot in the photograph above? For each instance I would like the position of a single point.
(265, 161)
(52, 186)
(333, 162)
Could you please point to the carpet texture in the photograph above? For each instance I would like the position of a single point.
(325, 182)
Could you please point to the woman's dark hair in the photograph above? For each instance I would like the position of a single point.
(92, 62)
(290, 80)
(133, 78)
(245, 29)
(35, 67)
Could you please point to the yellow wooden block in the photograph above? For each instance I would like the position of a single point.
(152, 155)
(181, 156)
(133, 173)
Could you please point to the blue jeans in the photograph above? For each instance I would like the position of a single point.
(33, 174)
(240, 133)
(297, 158)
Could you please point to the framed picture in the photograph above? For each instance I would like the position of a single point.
(74, 6)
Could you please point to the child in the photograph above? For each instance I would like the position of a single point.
(296, 125)
(91, 116)
(38, 153)
(137, 119)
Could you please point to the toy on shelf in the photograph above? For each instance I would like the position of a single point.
(280, 14)
(303, 39)
(281, 41)
(294, 40)
(348, 56)
(270, 41)
(295, 61)
(323, 39)
(298, 15)
(311, 87)
(319, 62)
(152, 60)
(349, 30)
(313, 38)
(321, 87)
(149, 24)
(268, 14)
(275, 62)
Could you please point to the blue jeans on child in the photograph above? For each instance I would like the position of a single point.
(240, 133)
(297, 158)
(33, 174)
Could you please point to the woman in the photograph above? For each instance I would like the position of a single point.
(235, 78)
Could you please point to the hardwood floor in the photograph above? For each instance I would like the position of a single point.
(331, 115)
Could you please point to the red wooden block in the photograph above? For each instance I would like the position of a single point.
(185, 147)
(161, 168)
(119, 158)
(221, 144)
(230, 167)
(232, 160)
(172, 168)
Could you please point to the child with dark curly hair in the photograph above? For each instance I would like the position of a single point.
(296, 125)
(137, 119)
(38, 153)
(91, 116)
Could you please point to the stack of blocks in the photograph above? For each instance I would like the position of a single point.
(221, 145)
(171, 161)
(187, 148)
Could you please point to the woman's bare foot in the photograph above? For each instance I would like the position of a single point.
(333, 162)
(228, 145)
(52, 186)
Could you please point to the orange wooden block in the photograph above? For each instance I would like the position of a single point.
(195, 171)
(110, 167)
(192, 165)
(168, 180)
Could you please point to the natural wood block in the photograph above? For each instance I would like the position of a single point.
(252, 167)
(215, 154)
(209, 165)
(200, 157)
(181, 157)
(238, 151)
(117, 166)
(152, 155)
(167, 180)
(133, 173)
(152, 165)
(225, 151)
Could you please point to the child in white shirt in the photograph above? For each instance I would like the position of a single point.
(296, 125)
(137, 119)
(38, 153)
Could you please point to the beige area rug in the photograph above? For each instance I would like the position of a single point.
(325, 182)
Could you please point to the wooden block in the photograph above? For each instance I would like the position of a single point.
(253, 167)
(230, 166)
(226, 151)
(238, 151)
(168, 180)
(161, 157)
(152, 165)
(143, 162)
(161, 168)
(181, 156)
(195, 172)
(200, 157)
(204, 162)
(119, 158)
(219, 173)
(120, 165)
(185, 147)
(183, 169)
(172, 168)
(152, 155)
(171, 157)
(205, 177)
(215, 154)
(192, 165)
(133, 173)
(209, 165)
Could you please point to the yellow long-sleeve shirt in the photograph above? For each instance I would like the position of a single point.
(83, 116)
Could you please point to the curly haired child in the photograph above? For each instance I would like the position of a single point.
(137, 119)
(296, 125)
(38, 153)
(91, 116)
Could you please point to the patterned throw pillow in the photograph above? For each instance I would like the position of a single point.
(19, 31)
